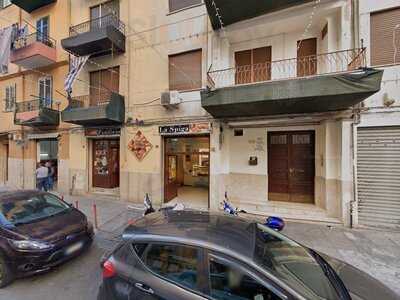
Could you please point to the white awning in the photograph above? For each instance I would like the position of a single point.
(43, 136)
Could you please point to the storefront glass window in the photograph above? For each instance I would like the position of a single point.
(48, 150)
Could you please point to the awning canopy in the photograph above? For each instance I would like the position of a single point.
(232, 11)
(43, 136)
(295, 96)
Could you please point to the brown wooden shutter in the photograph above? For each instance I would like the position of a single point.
(102, 83)
(179, 4)
(185, 71)
(382, 27)
(307, 57)
(243, 66)
(253, 65)
(262, 64)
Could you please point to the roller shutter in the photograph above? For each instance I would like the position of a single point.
(383, 25)
(378, 176)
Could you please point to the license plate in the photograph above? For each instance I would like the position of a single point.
(73, 248)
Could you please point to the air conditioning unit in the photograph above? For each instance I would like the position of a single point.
(170, 98)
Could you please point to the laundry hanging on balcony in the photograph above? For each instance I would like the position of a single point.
(18, 33)
(76, 65)
(5, 48)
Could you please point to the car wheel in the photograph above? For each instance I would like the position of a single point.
(6, 276)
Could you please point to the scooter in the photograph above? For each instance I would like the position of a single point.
(148, 205)
(275, 223)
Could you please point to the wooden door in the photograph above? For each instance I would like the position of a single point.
(105, 164)
(114, 163)
(170, 177)
(307, 57)
(291, 166)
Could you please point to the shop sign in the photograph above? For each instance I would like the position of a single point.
(194, 128)
(93, 132)
(140, 145)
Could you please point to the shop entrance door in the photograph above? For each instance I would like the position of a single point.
(48, 155)
(186, 170)
(291, 166)
(105, 164)
(171, 183)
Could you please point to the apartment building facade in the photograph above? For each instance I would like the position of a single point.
(193, 100)
(31, 89)
(377, 136)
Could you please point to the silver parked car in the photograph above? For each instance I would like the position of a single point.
(199, 255)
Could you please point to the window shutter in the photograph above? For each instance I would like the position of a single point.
(180, 4)
(111, 7)
(14, 98)
(253, 65)
(382, 28)
(7, 93)
(185, 71)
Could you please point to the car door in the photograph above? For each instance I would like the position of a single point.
(168, 272)
(231, 280)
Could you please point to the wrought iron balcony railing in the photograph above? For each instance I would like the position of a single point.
(321, 64)
(33, 38)
(98, 23)
(33, 105)
(92, 100)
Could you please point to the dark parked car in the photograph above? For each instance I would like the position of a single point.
(197, 255)
(37, 232)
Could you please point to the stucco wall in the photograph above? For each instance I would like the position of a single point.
(247, 184)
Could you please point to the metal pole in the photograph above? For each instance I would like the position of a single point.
(95, 215)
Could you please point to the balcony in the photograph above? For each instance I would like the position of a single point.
(36, 113)
(96, 37)
(95, 110)
(319, 83)
(232, 11)
(34, 51)
(31, 5)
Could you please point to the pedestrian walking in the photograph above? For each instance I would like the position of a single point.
(50, 177)
(42, 174)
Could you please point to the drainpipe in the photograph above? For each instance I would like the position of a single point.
(355, 11)
(355, 26)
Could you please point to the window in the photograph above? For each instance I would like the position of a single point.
(307, 57)
(185, 71)
(43, 30)
(48, 150)
(176, 263)
(45, 91)
(230, 283)
(99, 12)
(383, 30)
(181, 4)
(10, 97)
(28, 210)
(5, 3)
(253, 65)
(102, 83)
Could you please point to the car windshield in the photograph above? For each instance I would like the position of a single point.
(30, 209)
(293, 264)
